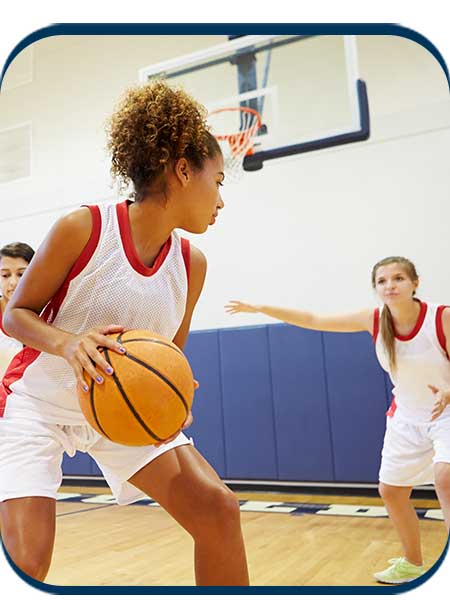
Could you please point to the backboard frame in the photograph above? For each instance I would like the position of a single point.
(357, 131)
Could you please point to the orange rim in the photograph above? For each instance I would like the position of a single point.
(239, 139)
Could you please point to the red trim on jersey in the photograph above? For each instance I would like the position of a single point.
(3, 398)
(392, 408)
(91, 245)
(186, 252)
(53, 306)
(128, 245)
(417, 326)
(376, 324)
(15, 372)
(27, 356)
(440, 329)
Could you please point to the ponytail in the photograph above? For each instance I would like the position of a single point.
(387, 332)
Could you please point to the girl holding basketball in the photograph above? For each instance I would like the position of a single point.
(103, 269)
(412, 341)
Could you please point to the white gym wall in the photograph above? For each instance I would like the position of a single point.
(303, 231)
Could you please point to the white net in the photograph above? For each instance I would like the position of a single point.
(235, 129)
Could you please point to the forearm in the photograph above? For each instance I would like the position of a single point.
(291, 316)
(27, 327)
(345, 323)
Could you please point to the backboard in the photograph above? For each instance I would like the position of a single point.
(307, 89)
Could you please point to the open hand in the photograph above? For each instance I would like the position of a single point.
(234, 306)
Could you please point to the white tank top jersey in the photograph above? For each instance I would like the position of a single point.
(9, 347)
(421, 361)
(107, 285)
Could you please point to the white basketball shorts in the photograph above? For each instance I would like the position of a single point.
(410, 451)
(31, 454)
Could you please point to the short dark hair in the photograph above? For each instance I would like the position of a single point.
(18, 250)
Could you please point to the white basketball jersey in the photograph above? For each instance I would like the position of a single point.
(9, 347)
(421, 361)
(107, 285)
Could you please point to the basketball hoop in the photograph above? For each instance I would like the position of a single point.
(239, 143)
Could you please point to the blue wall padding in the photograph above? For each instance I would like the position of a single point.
(207, 429)
(278, 402)
(301, 413)
(357, 400)
(80, 464)
(95, 469)
(248, 404)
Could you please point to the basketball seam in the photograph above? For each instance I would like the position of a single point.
(161, 376)
(153, 340)
(94, 412)
(129, 404)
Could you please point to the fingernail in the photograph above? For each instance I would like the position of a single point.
(122, 349)
(99, 379)
(85, 388)
(109, 370)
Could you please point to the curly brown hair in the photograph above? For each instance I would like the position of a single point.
(154, 126)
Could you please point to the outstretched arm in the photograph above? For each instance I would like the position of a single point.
(357, 321)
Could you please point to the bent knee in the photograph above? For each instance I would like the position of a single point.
(30, 555)
(34, 566)
(384, 490)
(219, 511)
(393, 493)
(227, 504)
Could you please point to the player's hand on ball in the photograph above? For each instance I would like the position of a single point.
(442, 401)
(234, 306)
(81, 352)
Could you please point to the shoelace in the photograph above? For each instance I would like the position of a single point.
(402, 561)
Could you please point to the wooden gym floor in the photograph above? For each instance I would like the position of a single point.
(106, 544)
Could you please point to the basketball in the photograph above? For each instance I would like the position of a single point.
(149, 395)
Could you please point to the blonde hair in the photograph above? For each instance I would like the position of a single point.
(387, 329)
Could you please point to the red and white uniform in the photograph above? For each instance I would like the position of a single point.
(39, 409)
(6, 341)
(108, 284)
(9, 347)
(413, 442)
(421, 360)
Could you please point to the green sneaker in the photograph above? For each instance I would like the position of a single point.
(400, 571)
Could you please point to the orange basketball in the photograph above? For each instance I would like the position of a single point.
(149, 395)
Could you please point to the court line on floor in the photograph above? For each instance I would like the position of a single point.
(293, 508)
(76, 512)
